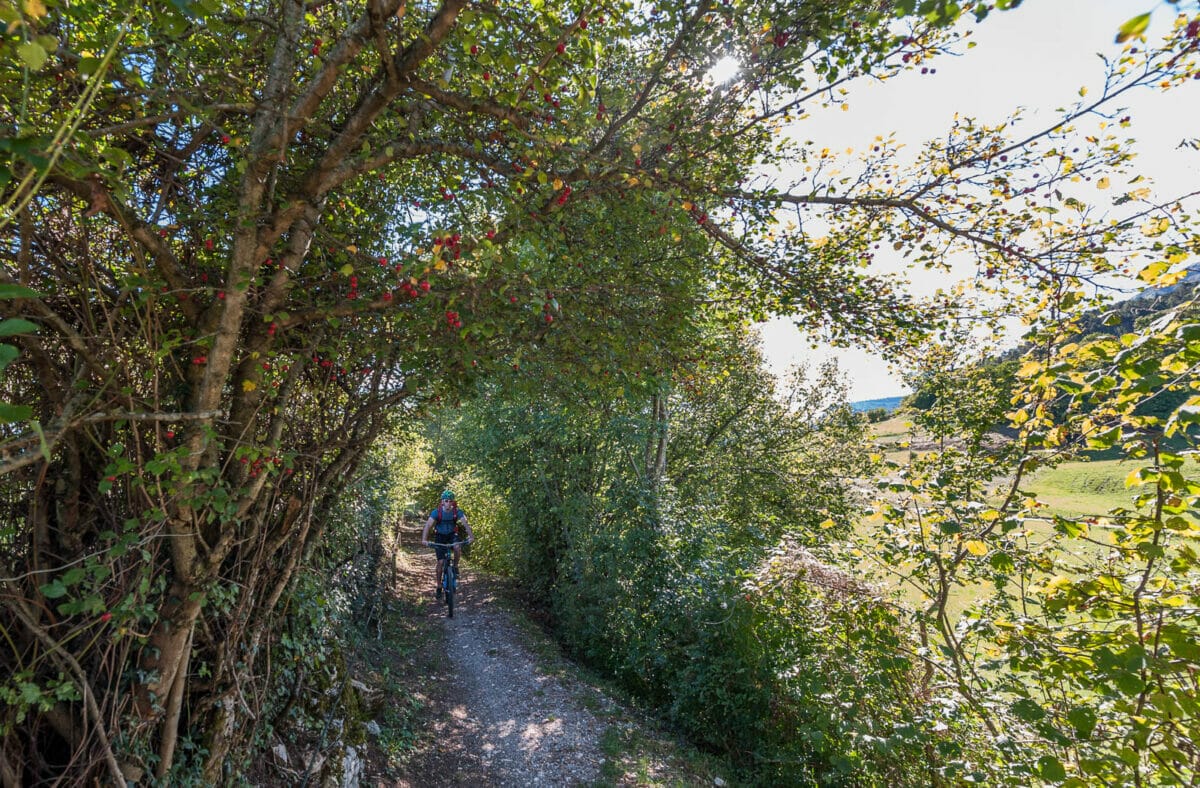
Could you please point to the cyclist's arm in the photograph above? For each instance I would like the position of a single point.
(465, 524)
(425, 533)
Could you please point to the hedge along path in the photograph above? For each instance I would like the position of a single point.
(499, 711)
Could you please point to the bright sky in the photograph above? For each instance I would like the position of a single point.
(1037, 57)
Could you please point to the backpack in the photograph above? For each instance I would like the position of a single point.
(446, 522)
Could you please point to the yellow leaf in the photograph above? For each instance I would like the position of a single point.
(1029, 368)
(440, 265)
(249, 385)
(352, 249)
(35, 8)
(828, 524)
(1102, 183)
(1156, 226)
(347, 269)
(636, 149)
(557, 184)
(687, 206)
(845, 108)
(632, 181)
(975, 547)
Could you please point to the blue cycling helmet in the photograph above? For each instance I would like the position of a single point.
(447, 496)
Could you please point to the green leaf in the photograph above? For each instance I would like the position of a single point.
(10, 413)
(1051, 768)
(54, 590)
(1189, 332)
(1072, 528)
(1133, 28)
(15, 325)
(17, 291)
(1128, 683)
(1028, 710)
(1083, 720)
(32, 55)
(1001, 561)
(950, 527)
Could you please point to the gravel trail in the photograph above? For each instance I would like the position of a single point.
(499, 714)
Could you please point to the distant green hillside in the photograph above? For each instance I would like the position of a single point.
(887, 403)
(1121, 318)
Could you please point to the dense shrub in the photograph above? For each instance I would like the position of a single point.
(689, 584)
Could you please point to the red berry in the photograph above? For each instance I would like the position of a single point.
(560, 48)
(225, 139)
(583, 24)
(512, 299)
(105, 617)
(474, 49)
(170, 434)
(487, 75)
(490, 234)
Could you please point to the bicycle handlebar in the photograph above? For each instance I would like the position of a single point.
(447, 544)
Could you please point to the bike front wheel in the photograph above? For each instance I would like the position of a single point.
(450, 583)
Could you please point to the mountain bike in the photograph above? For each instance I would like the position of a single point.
(449, 578)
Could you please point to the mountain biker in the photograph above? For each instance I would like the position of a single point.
(445, 520)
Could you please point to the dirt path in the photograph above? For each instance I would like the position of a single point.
(499, 710)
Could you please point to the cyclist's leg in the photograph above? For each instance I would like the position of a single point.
(443, 554)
